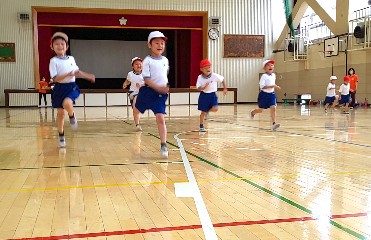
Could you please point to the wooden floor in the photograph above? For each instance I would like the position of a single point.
(309, 180)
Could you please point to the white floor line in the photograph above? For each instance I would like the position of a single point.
(192, 190)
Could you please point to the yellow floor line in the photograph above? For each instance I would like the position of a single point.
(288, 176)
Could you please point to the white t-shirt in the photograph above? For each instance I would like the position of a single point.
(344, 89)
(134, 78)
(331, 92)
(267, 80)
(213, 80)
(60, 66)
(156, 69)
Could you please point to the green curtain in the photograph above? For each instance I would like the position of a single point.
(288, 12)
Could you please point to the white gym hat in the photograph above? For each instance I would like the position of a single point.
(136, 59)
(156, 34)
(333, 78)
(59, 34)
(267, 61)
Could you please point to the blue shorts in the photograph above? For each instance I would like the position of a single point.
(344, 99)
(62, 91)
(330, 99)
(148, 98)
(266, 100)
(206, 101)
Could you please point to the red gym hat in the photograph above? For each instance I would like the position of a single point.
(205, 63)
(346, 79)
(267, 61)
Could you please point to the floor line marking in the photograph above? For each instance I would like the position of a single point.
(188, 227)
(206, 223)
(288, 176)
(301, 134)
(89, 165)
(270, 192)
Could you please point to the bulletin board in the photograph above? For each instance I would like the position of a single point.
(7, 52)
(249, 46)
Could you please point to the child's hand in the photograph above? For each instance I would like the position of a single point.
(277, 87)
(207, 84)
(138, 85)
(92, 79)
(225, 90)
(164, 89)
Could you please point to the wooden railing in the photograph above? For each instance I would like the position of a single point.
(175, 96)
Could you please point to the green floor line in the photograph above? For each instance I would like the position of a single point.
(333, 223)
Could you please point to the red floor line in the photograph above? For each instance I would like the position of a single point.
(179, 228)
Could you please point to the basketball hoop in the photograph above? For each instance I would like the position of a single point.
(324, 54)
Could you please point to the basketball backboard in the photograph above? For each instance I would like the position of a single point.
(331, 47)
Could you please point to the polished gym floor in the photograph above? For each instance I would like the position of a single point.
(311, 179)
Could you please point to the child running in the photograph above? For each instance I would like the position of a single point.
(330, 94)
(63, 71)
(135, 79)
(207, 83)
(154, 94)
(344, 96)
(267, 96)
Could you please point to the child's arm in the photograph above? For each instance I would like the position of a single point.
(160, 89)
(126, 83)
(201, 88)
(59, 78)
(225, 90)
(88, 76)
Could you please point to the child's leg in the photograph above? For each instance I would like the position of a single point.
(68, 106)
(326, 106)
(346, 107)
(160, 119)
(136, 113)
(60, 120)
(202, 117)
(334, 103)
(214, 109)
(273, 113)
(255, 111)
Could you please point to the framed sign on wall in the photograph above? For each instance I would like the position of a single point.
(7, 52)
(249, 46)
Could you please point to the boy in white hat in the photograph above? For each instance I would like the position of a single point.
(135, 80)
(154, 94)
(267, 97)
(330, 93)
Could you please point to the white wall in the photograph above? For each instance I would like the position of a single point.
(258, 17)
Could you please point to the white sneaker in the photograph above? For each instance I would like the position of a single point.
(275, 126)
(73, 121)
(251, 115)
(164, 152)
(139, 128)
(202, 129)
(62, 141)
